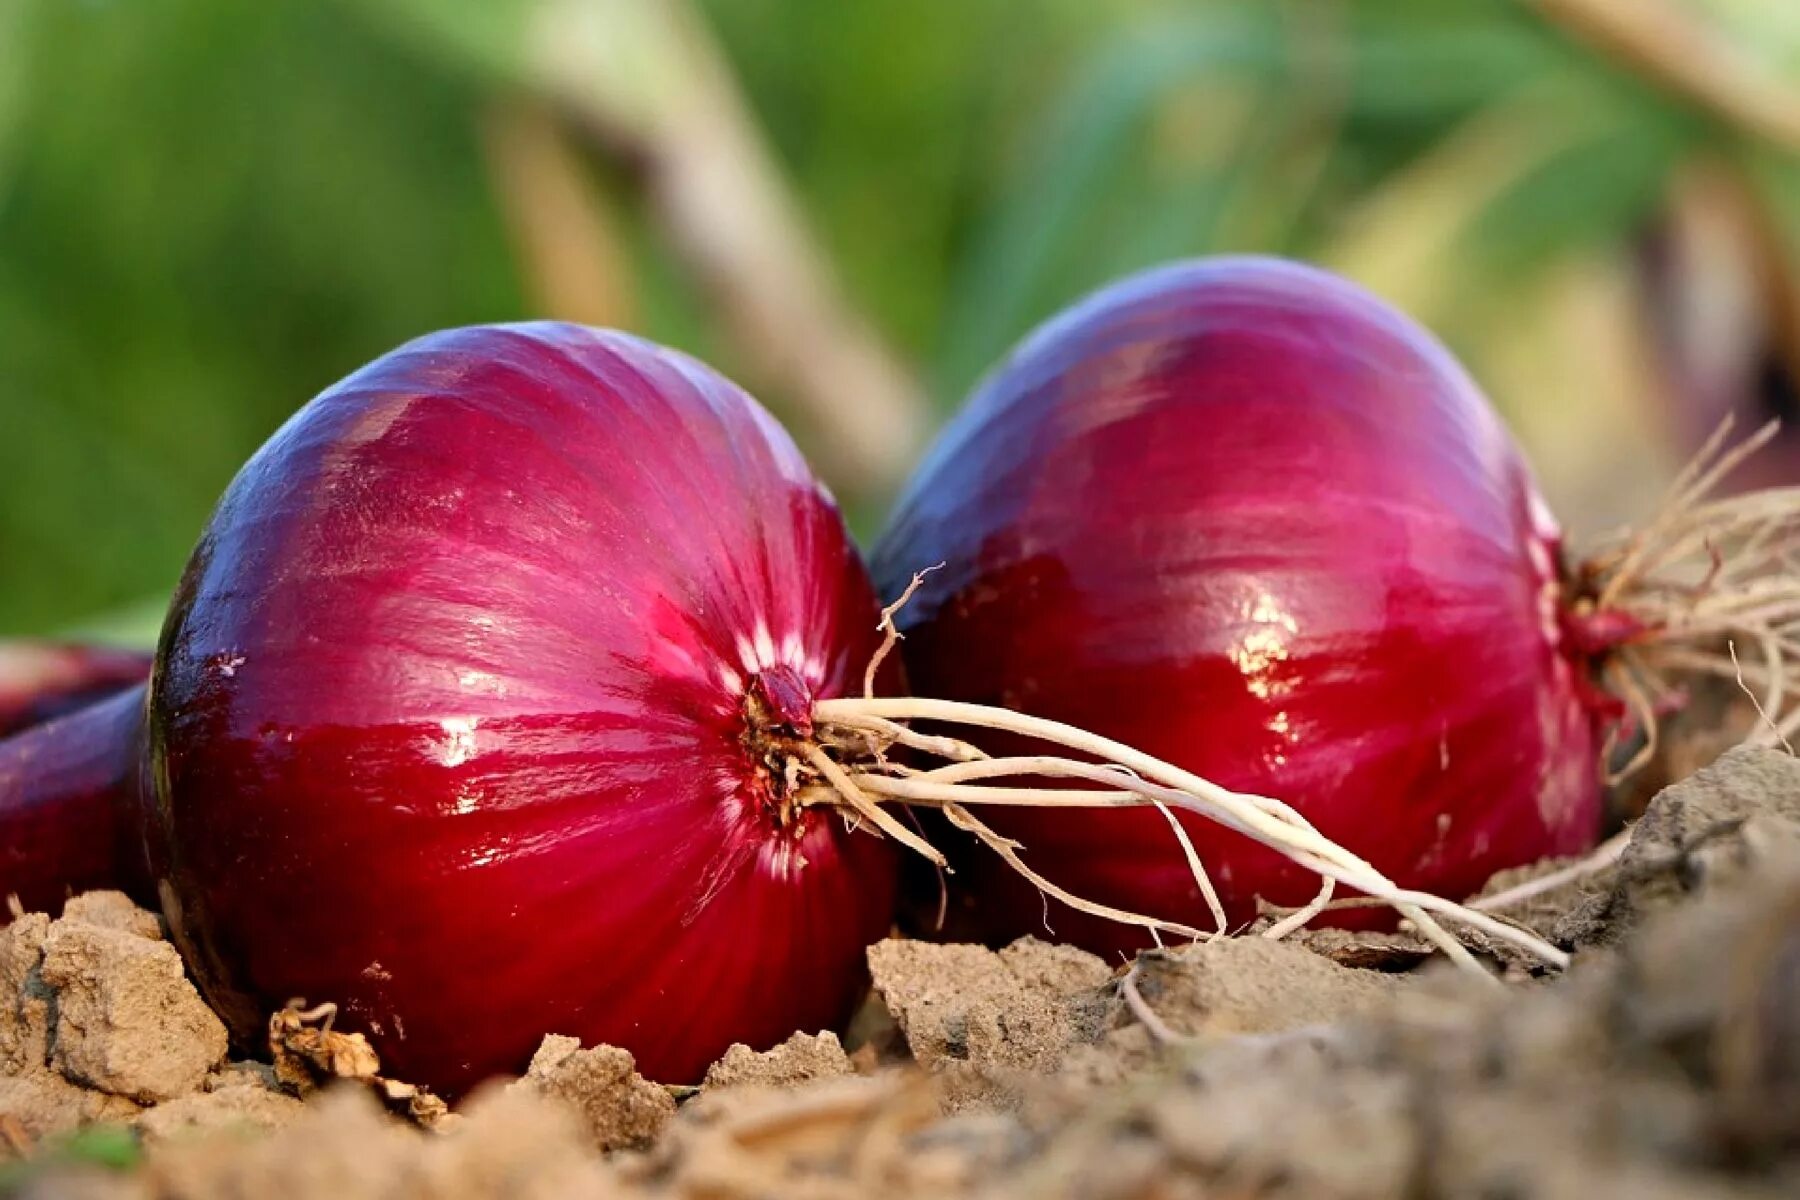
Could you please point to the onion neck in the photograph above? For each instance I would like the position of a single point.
(70, 810)
(802, 764)
(1704, 590)
(1593, 633)
(777, 712)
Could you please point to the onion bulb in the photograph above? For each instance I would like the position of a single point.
(1244, 516)
(465, 718)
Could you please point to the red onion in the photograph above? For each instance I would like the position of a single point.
(40, 680)
(68, 804)
(1245, 517)
(470, 716)
(57, 790)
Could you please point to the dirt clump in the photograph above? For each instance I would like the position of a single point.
(24, 996)
(1632, 1077)
(240, 1106)
(113, 910)
(846, 1136)
(42, 1104)
(1695, 837)
(1716, 996)
(97, 1019)
(801, 1059)
(1255, 985)
(617, 1107)
(1019, 1008)
(128, 1021)
(1365, 950)
(1616, 1081)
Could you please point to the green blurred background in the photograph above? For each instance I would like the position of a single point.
(211, 209)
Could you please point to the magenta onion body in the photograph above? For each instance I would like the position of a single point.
(70, 817)
(1244, 516)
(454, 717)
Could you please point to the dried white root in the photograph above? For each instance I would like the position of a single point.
(1131, 778)
(1699, 580)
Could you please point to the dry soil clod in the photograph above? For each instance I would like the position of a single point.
(128, 1021)
(801, 1059)
(617, 1107)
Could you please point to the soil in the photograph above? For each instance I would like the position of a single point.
(1664, 1063)
(801, 1059)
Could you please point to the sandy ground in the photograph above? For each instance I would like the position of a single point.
(1664, 1063)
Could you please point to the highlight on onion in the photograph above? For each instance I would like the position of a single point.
(1247, 518)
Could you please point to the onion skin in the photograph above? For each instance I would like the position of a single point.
(41, 680)
(1243, 516)
(68, 817)
(449, 718)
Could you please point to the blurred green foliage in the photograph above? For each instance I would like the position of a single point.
(209, 210)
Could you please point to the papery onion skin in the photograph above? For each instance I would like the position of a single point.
(448, 719)
(1242, 515)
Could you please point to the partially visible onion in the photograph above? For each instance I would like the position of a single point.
(1244, 516)
(69, 815)
(41, 680)
(469, 717)
(70, 716)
